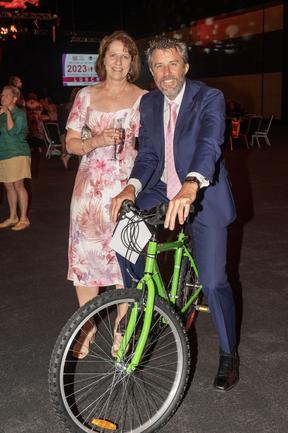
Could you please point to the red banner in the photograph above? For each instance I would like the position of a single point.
(18, 4)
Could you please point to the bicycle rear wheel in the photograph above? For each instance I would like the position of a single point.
(100, 388)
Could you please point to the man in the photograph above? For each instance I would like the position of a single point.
(180, 161)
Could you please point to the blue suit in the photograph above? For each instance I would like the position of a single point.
(198, 137)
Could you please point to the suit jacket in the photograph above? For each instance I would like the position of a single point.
(198, 136)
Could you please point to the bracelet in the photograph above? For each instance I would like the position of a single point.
(83, 144)
(193, 179)
(91, 147)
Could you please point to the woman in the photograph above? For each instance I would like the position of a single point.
(15, 160)
(104, 169)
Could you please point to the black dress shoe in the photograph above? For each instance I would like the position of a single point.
(228, 372)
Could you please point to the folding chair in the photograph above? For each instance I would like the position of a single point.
(255, 125)
(262, 131)
(52, 138)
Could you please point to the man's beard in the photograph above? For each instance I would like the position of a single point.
(172, 92)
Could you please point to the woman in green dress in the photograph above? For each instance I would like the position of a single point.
(15, 158)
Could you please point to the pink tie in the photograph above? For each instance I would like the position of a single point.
(173, 182)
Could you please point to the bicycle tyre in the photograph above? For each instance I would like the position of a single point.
(139, 402)
(187, 284)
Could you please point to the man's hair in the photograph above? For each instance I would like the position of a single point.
(12, 80)
(129, 44)
(14, 90)
(165, 43)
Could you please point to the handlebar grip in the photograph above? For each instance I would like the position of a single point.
(192, 209)
(126, 207)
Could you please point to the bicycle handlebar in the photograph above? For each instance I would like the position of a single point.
(153, 216)
(126, 206)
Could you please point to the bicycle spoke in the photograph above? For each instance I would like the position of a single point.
(99, 387)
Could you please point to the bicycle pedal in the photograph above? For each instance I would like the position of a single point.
(202, 308)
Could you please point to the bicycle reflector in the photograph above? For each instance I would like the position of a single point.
(104, 424)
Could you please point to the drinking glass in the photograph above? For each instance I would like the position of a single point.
(119, 125)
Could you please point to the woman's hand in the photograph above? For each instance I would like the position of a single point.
(108, 137)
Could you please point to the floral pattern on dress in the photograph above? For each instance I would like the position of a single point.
(91, 262)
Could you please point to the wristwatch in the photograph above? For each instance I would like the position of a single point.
(193, 179)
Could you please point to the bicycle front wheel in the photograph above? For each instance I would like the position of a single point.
(98, 393)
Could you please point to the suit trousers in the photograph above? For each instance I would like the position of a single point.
(209, 252)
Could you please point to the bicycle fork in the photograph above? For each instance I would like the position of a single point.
(146, 283)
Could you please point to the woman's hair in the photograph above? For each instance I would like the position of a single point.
(128, 43)
(14, 90)
(165, 43)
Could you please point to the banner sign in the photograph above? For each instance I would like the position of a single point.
(79, 69)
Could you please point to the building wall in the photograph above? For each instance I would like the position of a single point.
(252, 75)
(241, 53)
(247, 90)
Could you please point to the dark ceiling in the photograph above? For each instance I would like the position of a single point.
(138, 17)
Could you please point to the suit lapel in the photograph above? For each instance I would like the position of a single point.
(186, 108)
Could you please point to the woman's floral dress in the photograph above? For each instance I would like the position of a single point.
(100, 177)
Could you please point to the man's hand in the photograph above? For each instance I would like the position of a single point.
(180, 205)
(128, 193)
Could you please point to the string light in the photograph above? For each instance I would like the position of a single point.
(8, 31)
(4, 30)
(27, 23)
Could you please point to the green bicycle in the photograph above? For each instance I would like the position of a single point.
(138, 389)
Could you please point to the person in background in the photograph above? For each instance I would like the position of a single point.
(99, 116)
(34, 110)
(63, 114)
(50, 110)
(180, 162)
(234, 109)
(15, 160)
(17, 82)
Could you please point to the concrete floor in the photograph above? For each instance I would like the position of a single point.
(36, 300)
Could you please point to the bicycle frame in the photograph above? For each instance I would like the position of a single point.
(153, 282)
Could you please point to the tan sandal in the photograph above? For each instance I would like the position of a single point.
(82, 346)
(21, 225)
(116, 344)
(9, 222)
